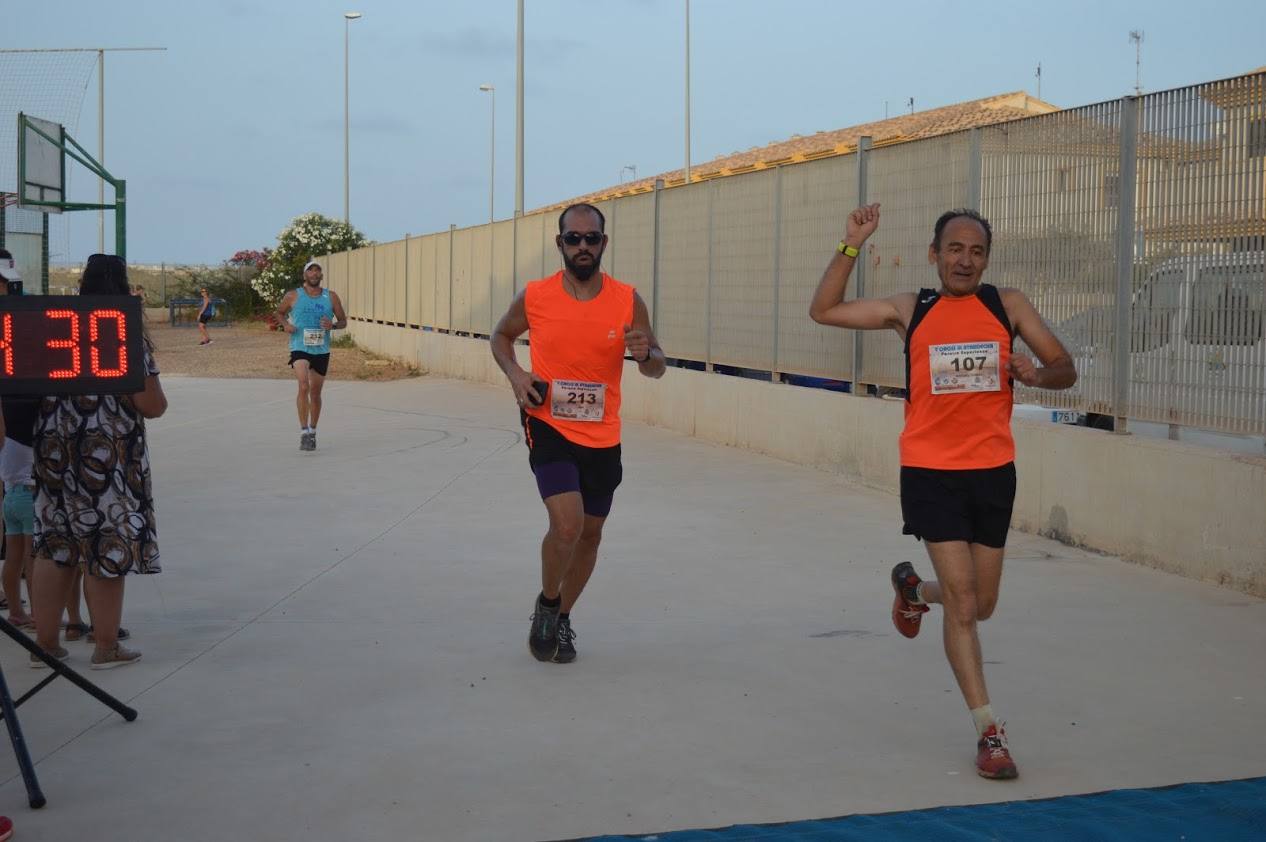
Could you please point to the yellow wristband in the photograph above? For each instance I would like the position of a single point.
(848, 250)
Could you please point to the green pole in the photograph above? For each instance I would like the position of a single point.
(44, 255)
(120, 218)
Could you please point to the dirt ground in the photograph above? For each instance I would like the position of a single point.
(251, 350)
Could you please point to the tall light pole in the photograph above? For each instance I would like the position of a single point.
(348, 17)
(518, 140)
(492, 148)
(687, 91)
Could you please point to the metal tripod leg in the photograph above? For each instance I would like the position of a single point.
(8, 708)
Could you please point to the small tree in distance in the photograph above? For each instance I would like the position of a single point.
(306, 237)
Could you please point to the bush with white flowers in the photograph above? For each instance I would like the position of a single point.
(306, 237)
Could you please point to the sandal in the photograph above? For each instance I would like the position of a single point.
(119, 656)
(124, 634)
(74, 631)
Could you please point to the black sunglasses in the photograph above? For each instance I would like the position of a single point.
(591, 238)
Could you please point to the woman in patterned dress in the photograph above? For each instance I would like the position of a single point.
(93, 504)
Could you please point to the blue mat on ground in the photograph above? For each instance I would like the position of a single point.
(1223, 811)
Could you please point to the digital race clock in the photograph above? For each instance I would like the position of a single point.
(71, 345)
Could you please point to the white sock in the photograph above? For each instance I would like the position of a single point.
(983, 717)
(918, 595)
(306, 430)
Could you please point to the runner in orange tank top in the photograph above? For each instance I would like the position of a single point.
(957, 468)
(582, 322)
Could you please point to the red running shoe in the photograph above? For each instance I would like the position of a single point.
(993, 758)
(6, 828)
(906, 616)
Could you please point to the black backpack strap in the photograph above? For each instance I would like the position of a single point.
(925, 301)
(992, 299)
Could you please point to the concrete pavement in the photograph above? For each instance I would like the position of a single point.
(336, 647)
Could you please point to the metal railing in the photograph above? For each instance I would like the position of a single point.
(1136, 226)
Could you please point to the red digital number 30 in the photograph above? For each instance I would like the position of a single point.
(71, 343)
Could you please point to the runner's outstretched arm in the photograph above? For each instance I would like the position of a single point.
(828, 306)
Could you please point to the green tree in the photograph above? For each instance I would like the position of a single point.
(306, 237)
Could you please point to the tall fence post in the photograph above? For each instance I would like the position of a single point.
(492, 272)
(707, 299)
(614, 251)
(974, 170)
(859, 268)
(406, 278)
(451, 228)
(659, 189)
(774, 374)
(1126, 187)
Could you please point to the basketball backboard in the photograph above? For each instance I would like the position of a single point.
(41, 164)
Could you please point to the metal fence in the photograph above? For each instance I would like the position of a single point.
(1136, 226)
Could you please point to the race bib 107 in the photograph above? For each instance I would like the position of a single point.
(964, 367)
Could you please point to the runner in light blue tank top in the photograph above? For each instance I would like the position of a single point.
(308, 314)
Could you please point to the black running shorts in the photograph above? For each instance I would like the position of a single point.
(319, 363)
(972, 506)
(599, 469)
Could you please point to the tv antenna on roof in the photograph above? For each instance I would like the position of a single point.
(1039, 80)
(910, 102)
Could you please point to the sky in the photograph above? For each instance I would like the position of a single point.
(237, 127)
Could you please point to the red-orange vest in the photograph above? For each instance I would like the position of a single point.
(580, 343)
(958, 392)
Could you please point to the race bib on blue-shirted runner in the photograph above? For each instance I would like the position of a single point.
(964, 367)
(313, 336)
(576, 400)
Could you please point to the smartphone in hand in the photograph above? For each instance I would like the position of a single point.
(542, 388)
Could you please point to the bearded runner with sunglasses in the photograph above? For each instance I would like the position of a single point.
(581, 321)
(957, 453)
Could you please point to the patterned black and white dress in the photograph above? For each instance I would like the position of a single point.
(93, 501)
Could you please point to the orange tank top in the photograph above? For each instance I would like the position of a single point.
(578, 348)
(958, 393)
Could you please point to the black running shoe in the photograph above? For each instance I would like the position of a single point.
(566, 651)
(543, 638)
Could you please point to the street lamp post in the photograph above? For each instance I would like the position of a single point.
(492, 148)
(687, 91)
(348, 17)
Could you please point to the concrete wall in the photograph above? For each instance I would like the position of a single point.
(1193, 511)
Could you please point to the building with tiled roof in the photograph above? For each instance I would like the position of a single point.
(920, 124)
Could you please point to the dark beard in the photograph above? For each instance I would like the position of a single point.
(585, 272)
